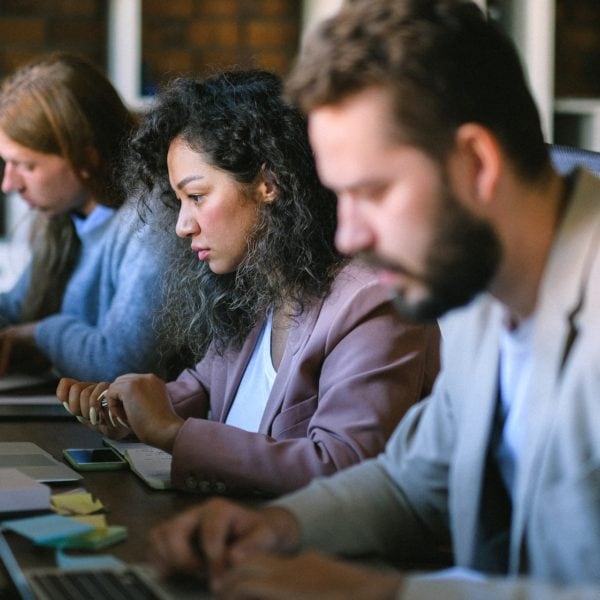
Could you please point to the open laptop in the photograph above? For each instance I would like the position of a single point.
(135, 582)
(32, 460)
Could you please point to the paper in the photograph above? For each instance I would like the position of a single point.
(75, 504)
(96, 521)
(19, 492)
(152, 465)
(47, 529)
(96, 539)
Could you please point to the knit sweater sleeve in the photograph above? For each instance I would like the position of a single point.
(12, 300)
(118, 293)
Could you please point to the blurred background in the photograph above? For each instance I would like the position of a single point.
(143, 43)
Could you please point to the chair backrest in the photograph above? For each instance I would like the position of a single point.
(566, 158)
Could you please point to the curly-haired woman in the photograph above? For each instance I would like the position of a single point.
(304, 367)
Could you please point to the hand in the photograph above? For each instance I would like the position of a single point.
(82, 399)
(305, 577)
(142, 402)
(17, 345)
(211, 537)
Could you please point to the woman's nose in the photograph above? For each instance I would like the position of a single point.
(11, 181)
(186, 223)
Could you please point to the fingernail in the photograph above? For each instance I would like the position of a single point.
(81, 419)
(67, 408)
(93, 416)
(122, 422)
(111, 419)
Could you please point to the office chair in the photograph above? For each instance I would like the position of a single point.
(565, 158)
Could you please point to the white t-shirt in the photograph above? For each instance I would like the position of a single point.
(251, 398)
(515, 372)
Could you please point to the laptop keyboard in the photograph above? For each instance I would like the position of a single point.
(93, 585)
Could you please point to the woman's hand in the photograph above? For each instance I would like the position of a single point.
(142, 402)
(19, 351)
(82, 399)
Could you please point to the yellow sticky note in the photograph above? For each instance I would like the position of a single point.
(75, 504)
(96, 521)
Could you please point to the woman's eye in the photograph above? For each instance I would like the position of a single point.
(195, 197)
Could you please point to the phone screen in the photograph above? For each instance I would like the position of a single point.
(94, 455)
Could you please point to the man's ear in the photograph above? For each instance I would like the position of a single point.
(477, 162)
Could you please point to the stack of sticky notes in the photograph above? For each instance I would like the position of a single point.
(65, 532)
(19, 492)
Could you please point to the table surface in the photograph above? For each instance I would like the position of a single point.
(127, 499)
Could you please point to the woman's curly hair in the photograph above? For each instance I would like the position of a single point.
(240, 124)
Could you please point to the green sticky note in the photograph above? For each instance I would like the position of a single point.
(94, 540)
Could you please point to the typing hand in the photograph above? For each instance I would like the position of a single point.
(217, 534)
(309, 575)
(17, 345)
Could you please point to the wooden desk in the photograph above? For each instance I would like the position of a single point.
(128, 500)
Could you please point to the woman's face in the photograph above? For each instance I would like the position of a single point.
(214, 212)
(46, 182)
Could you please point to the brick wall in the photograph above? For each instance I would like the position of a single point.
(577, 48)
(179, 36)
(31, 27)
(201, 36)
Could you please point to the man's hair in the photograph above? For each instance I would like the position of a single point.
(443, 64)
(239, 123)
(62, 104)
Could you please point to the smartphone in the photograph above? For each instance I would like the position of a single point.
(95, 459)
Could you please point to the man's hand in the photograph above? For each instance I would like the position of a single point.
(211, 537)
(305, 577)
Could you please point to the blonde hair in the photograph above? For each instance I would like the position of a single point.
(62, 104)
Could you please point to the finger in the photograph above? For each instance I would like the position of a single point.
(62, 389)
(77, 398)
(173, 543)
(224, 524)
(253, 580)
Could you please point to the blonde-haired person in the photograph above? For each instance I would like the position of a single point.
(84, 303)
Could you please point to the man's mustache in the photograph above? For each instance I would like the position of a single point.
(372, 259)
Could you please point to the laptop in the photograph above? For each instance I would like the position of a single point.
(32, 460)
(127, 582)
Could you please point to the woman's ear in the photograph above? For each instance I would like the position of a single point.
(267, 188)
(92, 160)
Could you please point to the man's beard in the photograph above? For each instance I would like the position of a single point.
(463, 258)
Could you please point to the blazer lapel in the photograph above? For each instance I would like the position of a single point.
(560, 299)
(299, 335)
(480, 391)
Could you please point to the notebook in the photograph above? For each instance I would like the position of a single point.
(139, 582)
(35, 462)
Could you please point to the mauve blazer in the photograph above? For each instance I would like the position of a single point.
(350, 370)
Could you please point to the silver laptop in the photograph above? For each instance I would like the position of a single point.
(32, 460)
(135, 582)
